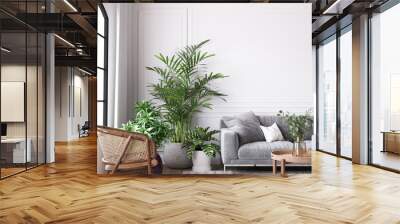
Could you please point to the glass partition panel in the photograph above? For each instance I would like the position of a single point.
(14, 153)
(100, 109)
(327, 96)
(100, 87)
(22, 66)
(101, 24)
(100, 52)
(346, 94)
(385, 89)
(41, 99)
(32, 98)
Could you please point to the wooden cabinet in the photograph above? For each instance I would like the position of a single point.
(391, 142)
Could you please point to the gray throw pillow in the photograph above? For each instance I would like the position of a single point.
(248, 117)
(247, 126)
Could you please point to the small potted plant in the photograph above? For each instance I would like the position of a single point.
(200, 147)
(298, 125)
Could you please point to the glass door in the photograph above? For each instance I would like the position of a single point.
(335, 94)
(22, 92)
(385, 89)
(346, 93)
(327, 96)
(14, 156)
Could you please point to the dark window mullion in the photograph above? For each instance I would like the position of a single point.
(369, 96)
(37, 97)
(338, 91)
(26, 88)
(0, 96)
(317, 97)
(105, 64)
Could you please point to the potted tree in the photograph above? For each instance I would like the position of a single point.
(183, 90)
(298, 125)
(200, 147)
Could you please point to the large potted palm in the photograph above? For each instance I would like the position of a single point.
(183, 90)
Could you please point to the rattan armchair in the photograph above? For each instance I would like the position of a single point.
(125, 150)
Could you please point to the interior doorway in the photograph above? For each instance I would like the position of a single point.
(75, 103)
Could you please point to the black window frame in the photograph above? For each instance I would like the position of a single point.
(105, 64)
(36, 32)
(333, 37)
(381, 9)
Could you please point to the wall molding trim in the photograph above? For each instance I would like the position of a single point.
(268, 69)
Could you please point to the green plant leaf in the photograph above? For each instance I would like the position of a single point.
(149, 121)
(184, 87)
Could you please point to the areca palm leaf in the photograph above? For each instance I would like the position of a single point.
(184, 87)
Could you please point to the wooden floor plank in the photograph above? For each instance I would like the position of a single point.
(69, 191)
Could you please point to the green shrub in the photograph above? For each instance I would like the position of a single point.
(148, 121)
(298, 124)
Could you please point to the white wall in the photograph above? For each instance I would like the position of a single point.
(61, 103)
(264, 48)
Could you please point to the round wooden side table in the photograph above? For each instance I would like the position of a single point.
(286, 156)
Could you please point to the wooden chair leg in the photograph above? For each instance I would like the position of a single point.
(104, 170)
(125, 147)
(283, 168)
(273, 167)
(114, 169)
(149, 168)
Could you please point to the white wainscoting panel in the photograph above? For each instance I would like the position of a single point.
(161, 30)
(265, 49)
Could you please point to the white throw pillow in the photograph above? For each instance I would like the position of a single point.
(272, 133)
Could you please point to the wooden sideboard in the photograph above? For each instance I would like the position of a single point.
(391, 141)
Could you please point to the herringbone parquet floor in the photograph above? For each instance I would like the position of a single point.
(69, 191)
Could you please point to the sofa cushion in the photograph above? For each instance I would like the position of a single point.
(281, 145)
(247, 132)
(248, 117)
(247, 126)
(226, 122)
(272, 133)
(280, 121)
(262, 149)
(283, 126)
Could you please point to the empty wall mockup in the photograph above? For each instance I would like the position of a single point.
(265, 49)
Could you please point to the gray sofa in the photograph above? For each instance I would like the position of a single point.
(257, 153)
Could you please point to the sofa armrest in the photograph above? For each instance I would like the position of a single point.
(229, 145)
